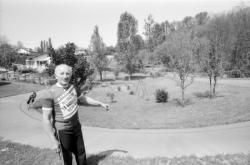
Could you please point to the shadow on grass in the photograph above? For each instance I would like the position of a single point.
(19, 154)
(12, 153)
(95, 159)
(206, 94)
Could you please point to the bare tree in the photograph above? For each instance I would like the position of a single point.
(218, 33)
(178, 49)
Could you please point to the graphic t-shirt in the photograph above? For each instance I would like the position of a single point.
(63, 101)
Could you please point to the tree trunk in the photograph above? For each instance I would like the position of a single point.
(100, 73)
(210, 85)
(182, 93)
(129, 77)
(215, 82)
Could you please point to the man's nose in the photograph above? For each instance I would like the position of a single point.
(65, 76)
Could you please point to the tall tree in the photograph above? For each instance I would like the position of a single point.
(7, 53)
(50, 43)
(205, 59)
(188, 22)
(44, 46)
(158, 34)
(240, 59)
(201, 18)
(148, 27)
(98, 49)
(129, 43)
(167, 28)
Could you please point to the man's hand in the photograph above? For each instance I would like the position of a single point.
(105, 106)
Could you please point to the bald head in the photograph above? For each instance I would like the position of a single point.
(63, 74)
(62, 67)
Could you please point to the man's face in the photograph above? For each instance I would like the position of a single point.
(63, 75)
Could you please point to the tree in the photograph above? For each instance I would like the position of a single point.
(15, 68)
(240, 22)
(201, 18)
(178, 49)
(158, 34)
(144, 57)
(44, 46)
(149, 23)
(7, 53)
(167, 28)
(98, 49)
(50, 43)
(218, 33)
(205, 59)
(80, 67)
(188, 22)
(129, 43)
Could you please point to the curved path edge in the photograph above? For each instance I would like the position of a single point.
(224, 139)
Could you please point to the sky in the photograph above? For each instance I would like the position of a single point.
(31, 21)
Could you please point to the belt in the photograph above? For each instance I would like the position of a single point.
(59, 121)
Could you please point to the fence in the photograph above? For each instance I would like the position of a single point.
(35, 79)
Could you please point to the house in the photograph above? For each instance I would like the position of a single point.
(20, 66)
(81, 51)
(3, 74)
(84, 53)
(38, 62)
(24, 51)
(112, 63)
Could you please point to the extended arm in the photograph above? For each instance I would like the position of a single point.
(90, 101)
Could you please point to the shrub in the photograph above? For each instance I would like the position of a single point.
(27, 71)
(119, 88)
(131, 92)
(235, 73)
(33, 81)
(111, 96)
(161, 96)
(128, 87)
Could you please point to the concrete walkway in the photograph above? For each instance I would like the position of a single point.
(233, 138)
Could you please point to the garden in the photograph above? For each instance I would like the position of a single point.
(134, 104)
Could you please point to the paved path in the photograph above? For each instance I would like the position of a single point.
(235, 138)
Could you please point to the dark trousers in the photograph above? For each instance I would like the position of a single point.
(72, 142)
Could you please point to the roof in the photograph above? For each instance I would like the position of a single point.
(24, 51)
(38, 57)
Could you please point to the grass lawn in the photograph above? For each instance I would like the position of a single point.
(141, 110)
(15, 88)
(17, 154)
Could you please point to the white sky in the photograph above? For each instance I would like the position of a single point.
(31, 21)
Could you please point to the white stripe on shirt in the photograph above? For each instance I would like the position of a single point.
(46, 109)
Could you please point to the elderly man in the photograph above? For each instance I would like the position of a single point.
(60, 111)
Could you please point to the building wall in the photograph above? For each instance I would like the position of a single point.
(38, 63)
